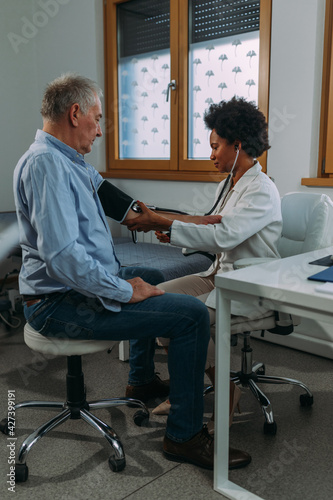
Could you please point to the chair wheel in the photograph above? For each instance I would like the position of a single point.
(117, 464)
(306, 400)
(261, 370)
(140, 417)
(270, 428)
(4, 426)
(21, 473)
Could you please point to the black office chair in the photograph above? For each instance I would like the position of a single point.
(76, 406)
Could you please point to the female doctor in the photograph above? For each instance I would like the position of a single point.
(248, 204)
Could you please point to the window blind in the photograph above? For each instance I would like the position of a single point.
(143, 26)
(212, 19)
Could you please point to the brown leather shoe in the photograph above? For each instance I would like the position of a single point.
(238, 459)
(200, 451)
(155, 388)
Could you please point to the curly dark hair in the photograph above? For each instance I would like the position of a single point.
(239, 120)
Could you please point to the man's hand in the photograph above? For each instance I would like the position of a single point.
(210, 219)
(162, 237)
(148, 220)
(142, 290)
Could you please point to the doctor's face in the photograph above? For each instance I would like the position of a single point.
(223, 154)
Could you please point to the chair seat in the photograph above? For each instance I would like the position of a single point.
(62, 346)
(240, 324)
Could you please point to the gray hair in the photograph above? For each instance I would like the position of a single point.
(66, 90)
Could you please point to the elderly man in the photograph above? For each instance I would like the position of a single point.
(71, 279)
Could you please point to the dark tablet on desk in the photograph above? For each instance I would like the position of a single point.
(324, 261)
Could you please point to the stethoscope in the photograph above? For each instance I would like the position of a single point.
(136, 207)
(223, 190)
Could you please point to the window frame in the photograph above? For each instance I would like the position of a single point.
(178, 167)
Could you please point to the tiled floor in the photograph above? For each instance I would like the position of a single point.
(72, 461)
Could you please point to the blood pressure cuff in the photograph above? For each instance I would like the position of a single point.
(115, 202)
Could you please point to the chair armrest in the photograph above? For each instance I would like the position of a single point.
(251, 261)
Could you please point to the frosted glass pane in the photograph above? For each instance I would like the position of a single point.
(218, 70)
(144, 114)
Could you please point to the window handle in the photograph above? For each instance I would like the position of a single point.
(172, 85)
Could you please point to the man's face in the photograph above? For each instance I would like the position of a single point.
(89, 127)
(223, 153)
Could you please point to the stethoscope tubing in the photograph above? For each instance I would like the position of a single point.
(219, 198)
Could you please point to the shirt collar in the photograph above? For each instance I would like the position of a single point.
(247, 177)
(71, 153)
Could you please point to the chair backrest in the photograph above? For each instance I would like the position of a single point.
(307, 220)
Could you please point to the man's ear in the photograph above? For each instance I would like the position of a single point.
(73, 114)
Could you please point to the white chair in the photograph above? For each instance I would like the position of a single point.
(76, 406)
(307, 225)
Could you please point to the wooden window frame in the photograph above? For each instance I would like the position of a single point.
(179, 167)
(325, 156)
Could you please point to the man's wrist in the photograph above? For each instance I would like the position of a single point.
(166, 224)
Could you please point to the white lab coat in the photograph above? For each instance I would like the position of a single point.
(250, 227)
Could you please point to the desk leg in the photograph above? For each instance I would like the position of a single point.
(222, 387)
(124, 350)
(222, 350)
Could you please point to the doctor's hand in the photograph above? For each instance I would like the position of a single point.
(148, 220)
(142, 290)
(198, 219)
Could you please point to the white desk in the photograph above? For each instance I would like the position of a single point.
(279, 285)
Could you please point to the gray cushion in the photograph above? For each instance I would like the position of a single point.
(169, 260)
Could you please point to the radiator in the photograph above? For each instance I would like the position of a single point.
(141, 237)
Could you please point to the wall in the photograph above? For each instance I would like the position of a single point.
(39, 40)
(295, 91)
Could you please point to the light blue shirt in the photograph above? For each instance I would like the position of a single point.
(65, 238)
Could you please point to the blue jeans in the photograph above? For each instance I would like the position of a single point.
(182, 318)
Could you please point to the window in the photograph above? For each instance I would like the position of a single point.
(325, 157)
(162, 75)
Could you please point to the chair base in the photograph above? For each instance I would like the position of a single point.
(76, 407)
(252, 374)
